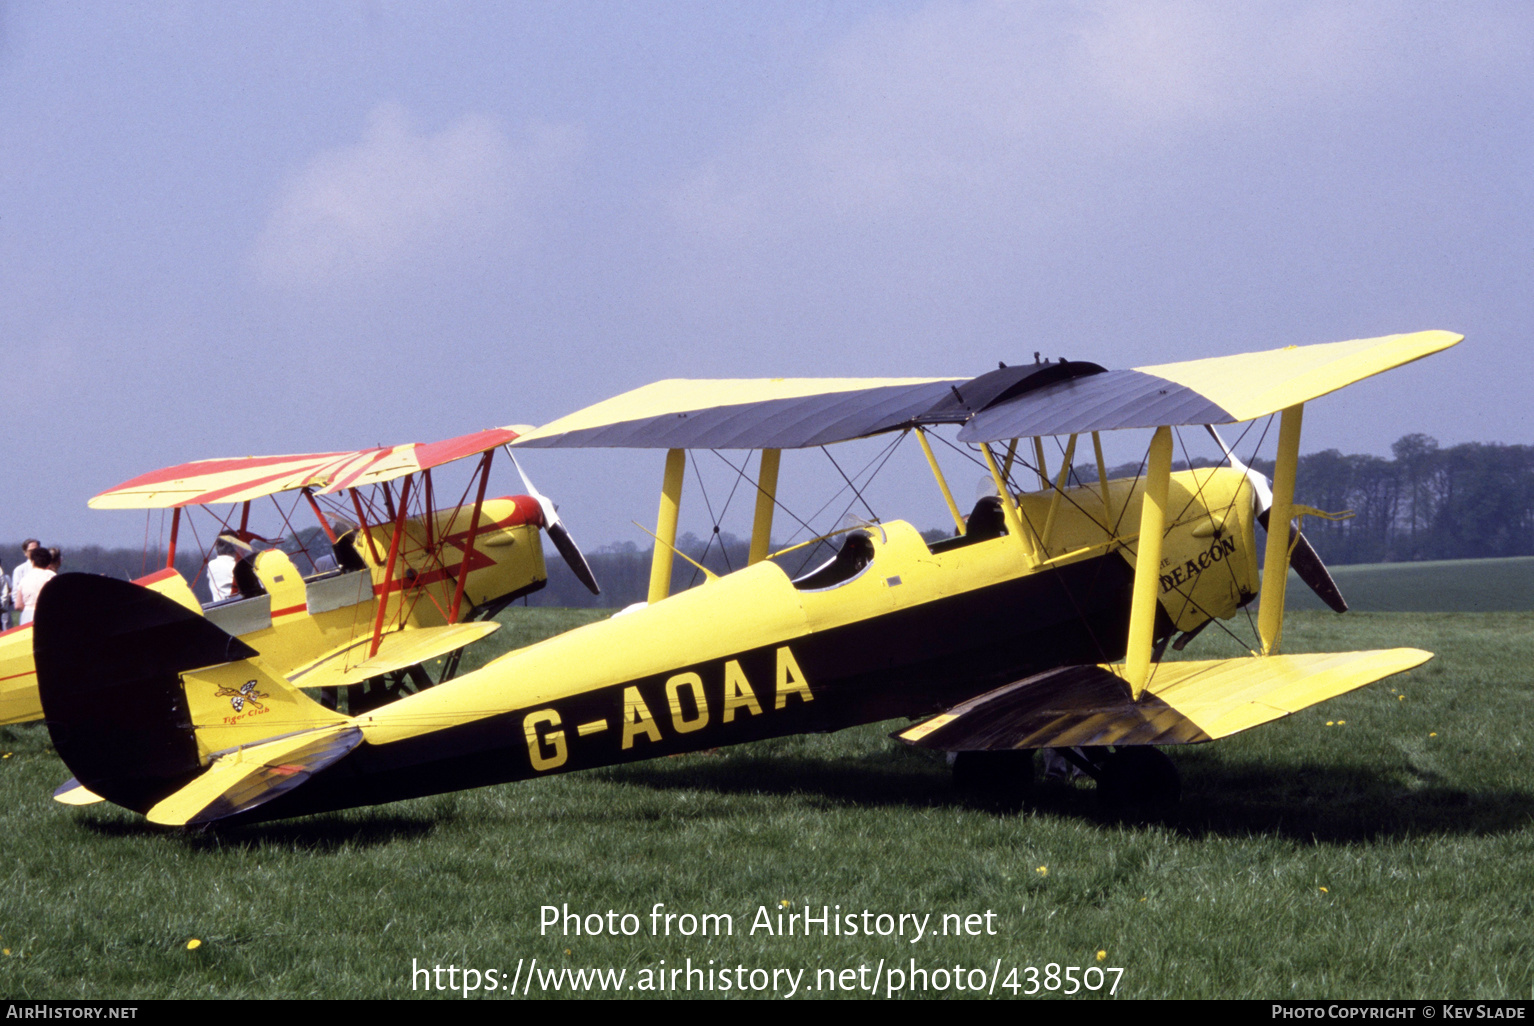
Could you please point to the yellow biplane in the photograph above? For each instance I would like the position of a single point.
(1039, 624)
(384, 579)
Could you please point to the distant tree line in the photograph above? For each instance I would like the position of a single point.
(1470, 501)
(1474, 500)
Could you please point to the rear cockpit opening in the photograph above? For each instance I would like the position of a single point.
(986, 521)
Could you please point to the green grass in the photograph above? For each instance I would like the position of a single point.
(1439, 586)
(1415, 814)
(524, 625)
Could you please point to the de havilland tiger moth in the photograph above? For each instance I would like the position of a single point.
(1040, 623)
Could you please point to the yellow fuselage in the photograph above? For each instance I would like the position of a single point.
(911, 629)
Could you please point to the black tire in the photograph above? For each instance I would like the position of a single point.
(1006, 775)
(1139, 780)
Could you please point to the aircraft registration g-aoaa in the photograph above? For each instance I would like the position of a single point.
(1039, 624)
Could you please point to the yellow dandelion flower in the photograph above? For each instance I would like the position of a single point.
(567, 952)
(783, 903)
(1325, 891)
(1101, 954)
(1400, 698)
(7, 755)
(193, 944)
(1433, 734)
(1331, 723)
(7, 951)
(1042, 870)
(1342, 723)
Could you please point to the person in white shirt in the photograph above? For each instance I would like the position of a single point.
(31, 586)
(229, 550)
(21, 571)
(221, 569)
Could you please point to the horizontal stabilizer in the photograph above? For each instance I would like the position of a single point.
(1184, 703)
(396, 650)
(248, 777)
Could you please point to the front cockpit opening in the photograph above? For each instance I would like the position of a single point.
(854, 557)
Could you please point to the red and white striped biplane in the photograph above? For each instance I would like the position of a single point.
(367, 575)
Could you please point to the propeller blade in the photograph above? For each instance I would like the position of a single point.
(550, 514)
(558, 533)
(1306, 563)
(1313, 572)
(1303, 558)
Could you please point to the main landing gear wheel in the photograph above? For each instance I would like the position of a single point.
(998, 776)
(1139, 780)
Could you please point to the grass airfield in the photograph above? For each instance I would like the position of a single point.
(1380, 845)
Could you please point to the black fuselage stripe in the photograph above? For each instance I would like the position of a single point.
(909, 662)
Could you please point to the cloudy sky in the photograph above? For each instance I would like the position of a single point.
(292, 227)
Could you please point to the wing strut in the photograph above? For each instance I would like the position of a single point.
(1142, 612)
(308, 494)
(942, 482)
(175, 528)
(766, 499)
(1102, 480)
(1038, 454)
(1008, 506)
(665, 524)
(388, 578)
(468, 545)
(1275, 572)
(1054, 500)
(362, 524)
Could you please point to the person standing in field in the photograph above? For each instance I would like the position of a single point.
(20, 572)
(37, 575)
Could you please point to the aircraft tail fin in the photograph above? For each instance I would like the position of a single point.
(141, 692)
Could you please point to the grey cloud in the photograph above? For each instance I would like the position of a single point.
(365, 211)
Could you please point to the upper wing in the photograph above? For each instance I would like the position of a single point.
(1066, 397)
(745, 413)
(1219, 390)
(240, 479)
(222, 480)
